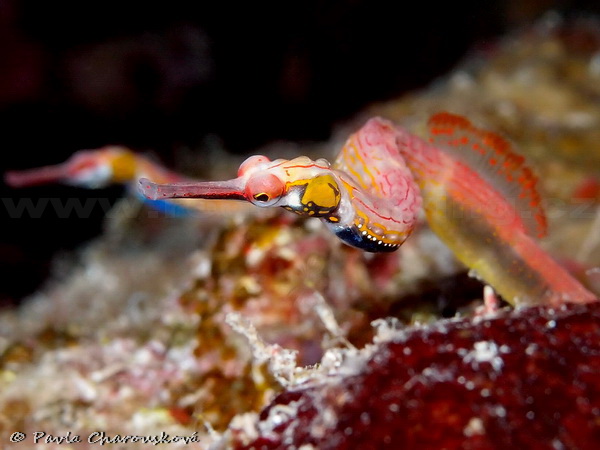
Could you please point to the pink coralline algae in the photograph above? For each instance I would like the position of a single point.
(524, 379)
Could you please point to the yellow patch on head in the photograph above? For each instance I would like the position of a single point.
(322, 192)
(124, 167)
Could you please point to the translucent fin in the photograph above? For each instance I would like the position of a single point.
(494, 158)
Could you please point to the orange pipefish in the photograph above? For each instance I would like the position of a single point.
(368, 198)
(94, 169)
(478, 196)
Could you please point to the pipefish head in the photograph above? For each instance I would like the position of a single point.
(85, 168)
(301, 185)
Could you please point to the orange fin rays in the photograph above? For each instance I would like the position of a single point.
(494, 158)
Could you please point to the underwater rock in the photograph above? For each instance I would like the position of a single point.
(525, 379)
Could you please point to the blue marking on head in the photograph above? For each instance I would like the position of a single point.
(167, 207)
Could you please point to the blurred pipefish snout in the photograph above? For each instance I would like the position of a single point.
(86, 168)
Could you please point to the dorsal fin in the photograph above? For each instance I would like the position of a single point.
(494, 158)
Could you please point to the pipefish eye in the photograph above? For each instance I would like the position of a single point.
(264, 189)
(263, 197)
